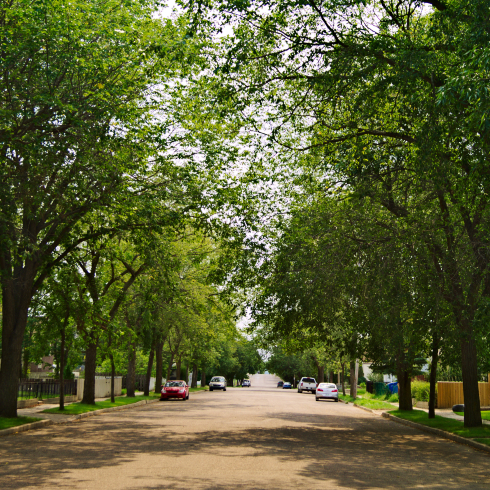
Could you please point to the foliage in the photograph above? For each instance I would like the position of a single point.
(420, 391)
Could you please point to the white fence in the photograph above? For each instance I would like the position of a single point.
(102, 387)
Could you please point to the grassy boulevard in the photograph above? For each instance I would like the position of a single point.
(8, 423)
(480, 434)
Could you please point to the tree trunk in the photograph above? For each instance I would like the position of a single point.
(146, 391)
(203, 377)
(187, 372)
(131, 376)
(469, 367)
(433, 375)
(90, 367)
(16, 298)
(321, 373)
(343, 378)
(62, 369)
(194, 376)
(404, 390)
(171, 363)
(179, 366)
(113, 374)
(353, 379)
(159, 366)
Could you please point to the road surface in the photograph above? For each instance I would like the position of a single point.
(245, 438)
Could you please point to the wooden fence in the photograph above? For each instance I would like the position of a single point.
(450, 393)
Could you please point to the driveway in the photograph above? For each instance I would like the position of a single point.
(245, 438)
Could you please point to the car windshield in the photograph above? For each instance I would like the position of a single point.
(308, 380)
(217, 380)
(173, 384)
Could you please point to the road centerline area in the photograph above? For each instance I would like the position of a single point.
(255, 437)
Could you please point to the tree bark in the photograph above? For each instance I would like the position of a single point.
(159, 365)
(179, 366)
(343, 378)
(353, 379)
(62, 369)
(203, 377)
(194, 376)
(433, 375)
(146, 391)
(321, 373)
(90, 367)
(171, 363)
(405, 389)
(469, 367)
(113, 374)
(16, 298)
(131, 376)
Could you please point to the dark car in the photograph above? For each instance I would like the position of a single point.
(246, 382)
(287, 386)
(279, 385)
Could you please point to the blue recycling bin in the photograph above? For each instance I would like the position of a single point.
(393, 387)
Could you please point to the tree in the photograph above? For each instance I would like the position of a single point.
(79, 85)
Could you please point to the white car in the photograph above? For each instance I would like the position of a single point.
(307, 384)
(217, 383)
(327, 391)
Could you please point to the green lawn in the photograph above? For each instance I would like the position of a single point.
(7, 423)
(449, 425)
(77, 408)
(199, 388)
(484, 415)
(372, 403)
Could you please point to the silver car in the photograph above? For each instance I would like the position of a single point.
(217, 383)
(327, 391)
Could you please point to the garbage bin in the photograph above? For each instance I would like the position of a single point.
(380, 389)
(393, 387)
(369, 386)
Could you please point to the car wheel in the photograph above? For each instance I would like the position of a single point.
(210, 389)
(300, 391)
(224, 389)
(188, 396)
(314, 392)
(336, 399)
(316, 398)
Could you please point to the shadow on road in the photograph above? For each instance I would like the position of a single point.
(363, 453)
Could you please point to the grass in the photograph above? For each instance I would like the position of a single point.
(372, 401)
(484, 415)
(78, 408)
(449, 425)
(199, 388)
(7, 423)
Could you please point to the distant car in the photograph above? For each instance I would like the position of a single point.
(307, 384)
(279, 385)
(327, 391)
(217, 383)
(246, 382)
(175, 389)
(286, 386)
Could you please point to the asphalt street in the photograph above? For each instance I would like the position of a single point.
(245, 438)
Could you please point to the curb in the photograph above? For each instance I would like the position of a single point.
(22, 428)
(44, 423)
(438, 432)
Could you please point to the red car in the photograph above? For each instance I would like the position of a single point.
(175, 389)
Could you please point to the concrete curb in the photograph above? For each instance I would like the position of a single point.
(22, 428)
(44, 423)
(438, 432)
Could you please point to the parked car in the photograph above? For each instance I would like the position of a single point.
(246, 382)
(287, 386)
(307, 384)
(217, 383)
(280, 383)
(175, 389)
(327, 391)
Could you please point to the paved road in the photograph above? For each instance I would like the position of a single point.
(244, 438)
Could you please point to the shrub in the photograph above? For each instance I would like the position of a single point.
(393, 398)
(363, 385)
(420, 391)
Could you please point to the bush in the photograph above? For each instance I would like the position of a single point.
(393, 398)
(420, 391)
(376, 377)
(363, 385)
